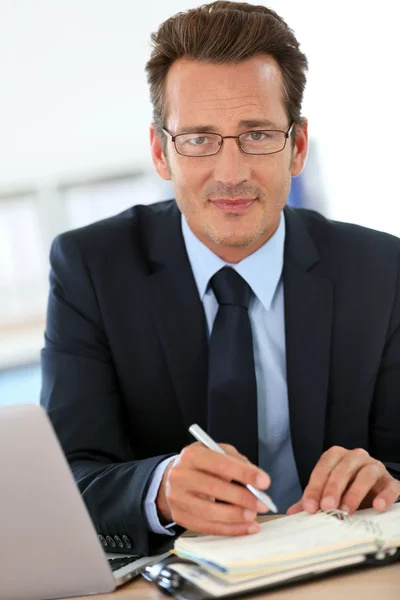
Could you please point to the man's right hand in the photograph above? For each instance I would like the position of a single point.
(197, 477)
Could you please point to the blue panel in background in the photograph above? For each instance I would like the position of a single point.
(297, 195)
(20, 385)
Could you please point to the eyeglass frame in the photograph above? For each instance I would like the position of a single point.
(287, 135)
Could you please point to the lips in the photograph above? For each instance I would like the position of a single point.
(236, 205)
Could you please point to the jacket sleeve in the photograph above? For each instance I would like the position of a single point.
(385, 414)
(81, 395)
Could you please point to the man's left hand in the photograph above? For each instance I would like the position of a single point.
(348, 480)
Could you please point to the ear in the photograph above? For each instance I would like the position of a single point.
(300, 148)
(157, 154)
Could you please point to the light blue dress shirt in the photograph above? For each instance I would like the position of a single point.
(262, 270)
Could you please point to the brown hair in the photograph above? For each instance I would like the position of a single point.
(226, 32)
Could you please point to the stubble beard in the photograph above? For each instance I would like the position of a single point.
(235, 239)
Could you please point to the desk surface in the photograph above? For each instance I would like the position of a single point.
(369, 584)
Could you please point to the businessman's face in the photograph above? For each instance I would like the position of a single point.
(232, 201)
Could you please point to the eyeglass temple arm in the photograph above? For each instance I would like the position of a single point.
(168, 134)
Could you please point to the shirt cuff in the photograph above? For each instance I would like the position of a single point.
(150, 501)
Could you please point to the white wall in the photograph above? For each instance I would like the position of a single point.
(73, 95)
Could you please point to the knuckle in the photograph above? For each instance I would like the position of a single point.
(352, 495)
(360, 453)
(245, 499)
(242, 458)
(332, 488)
(214, 489)
(220, 466)
(373, 469)
(312, 490)
(184, 456)
(249, 475)
(188, 452)
(334, 450)
(174, 475)
(229, 448)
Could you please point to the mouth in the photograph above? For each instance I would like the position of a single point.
(233, 205)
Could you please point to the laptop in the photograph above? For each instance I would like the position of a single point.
(49, 546)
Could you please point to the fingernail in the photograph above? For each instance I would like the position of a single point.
(328, 503)
(380, 504)
(262, 481)
(253, 528)
(344, 508)
(310, 505)
(249, 515)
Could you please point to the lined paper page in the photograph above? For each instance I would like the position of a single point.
(388, 521)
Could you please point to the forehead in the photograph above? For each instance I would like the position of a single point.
(198, 92)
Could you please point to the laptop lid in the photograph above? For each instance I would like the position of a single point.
(49, 547)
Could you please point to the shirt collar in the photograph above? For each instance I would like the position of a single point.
(262, 270)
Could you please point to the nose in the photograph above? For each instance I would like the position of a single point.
(231, 165)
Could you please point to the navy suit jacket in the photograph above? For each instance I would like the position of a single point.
(125, 358)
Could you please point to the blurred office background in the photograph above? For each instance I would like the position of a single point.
(74, 116)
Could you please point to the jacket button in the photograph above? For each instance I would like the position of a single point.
(110, 541)
(118, 541)
(103, 540)
(126, 541)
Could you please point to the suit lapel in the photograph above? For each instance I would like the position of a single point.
(179, 315)
(308, 324)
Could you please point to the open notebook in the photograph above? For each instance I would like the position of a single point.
(286, 550)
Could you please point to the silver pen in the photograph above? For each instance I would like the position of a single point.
(205, 439)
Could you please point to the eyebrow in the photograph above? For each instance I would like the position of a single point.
(242, 124)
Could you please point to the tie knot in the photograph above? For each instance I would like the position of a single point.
(230, 288)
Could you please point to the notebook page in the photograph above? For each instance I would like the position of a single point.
(279, 541)
(237, 576)
(388, 522)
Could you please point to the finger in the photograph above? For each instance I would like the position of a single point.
(205, 484)
(366, 478)
(215, 512)
(231, 451)
(194, 523)
(313, 492)
(295, 508)
(223, 466)
(388, 495)
(345, 473)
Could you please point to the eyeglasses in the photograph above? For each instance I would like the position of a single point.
(200, 144)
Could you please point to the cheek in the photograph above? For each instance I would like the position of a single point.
(275, 175)
(191, 177)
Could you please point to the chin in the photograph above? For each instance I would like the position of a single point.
(234, 239)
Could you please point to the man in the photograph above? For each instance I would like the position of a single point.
(274, 329)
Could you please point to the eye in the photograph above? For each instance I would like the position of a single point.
(256, 136)
(198, 141)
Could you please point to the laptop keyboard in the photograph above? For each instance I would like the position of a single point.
(117, 563)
